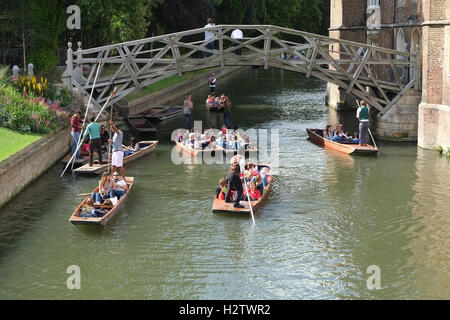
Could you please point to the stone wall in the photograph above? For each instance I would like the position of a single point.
(434, 126)
(400, 122)
(17, 171)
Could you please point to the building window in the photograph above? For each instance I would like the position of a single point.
(373, 3)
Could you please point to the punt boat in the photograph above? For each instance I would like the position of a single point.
(348, 148)
(112, 209)
(222, 206)
(146, 147)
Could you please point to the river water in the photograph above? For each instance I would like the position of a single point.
(328, 218)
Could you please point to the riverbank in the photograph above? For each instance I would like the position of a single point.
(13, 141)
(23, 167)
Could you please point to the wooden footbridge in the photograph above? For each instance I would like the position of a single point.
(133, 65)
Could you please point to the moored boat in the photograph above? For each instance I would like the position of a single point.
(162, 113)
(146, 147)
(141, 125)
(222, 206)
(348, 148)
(112, 209)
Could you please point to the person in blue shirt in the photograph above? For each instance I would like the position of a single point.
(95, 141)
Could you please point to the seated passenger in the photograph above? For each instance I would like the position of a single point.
(104, 135)
(87, 207)
(234, 143)
(339, 135)
(222, 101)
(328, 132)
(259, 184)
(224, 129)
(205, 141)
(223, 142)
(356, 137)
(135, 145)
(253, 193)
(191, 141)
(104, 188)
(221, 189)
(119, 186)
(265, 176)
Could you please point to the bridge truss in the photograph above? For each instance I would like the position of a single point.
(371, 73)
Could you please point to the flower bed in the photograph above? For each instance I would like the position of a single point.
(28, 112)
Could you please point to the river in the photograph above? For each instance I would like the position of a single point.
(328, 218)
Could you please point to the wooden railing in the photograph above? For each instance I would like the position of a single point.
(370, 73)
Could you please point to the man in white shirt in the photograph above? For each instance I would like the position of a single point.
(209, 35)
(237, 34)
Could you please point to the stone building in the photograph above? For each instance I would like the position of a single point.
(417, 26)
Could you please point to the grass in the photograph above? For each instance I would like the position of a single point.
(12, 141)
(167, 82)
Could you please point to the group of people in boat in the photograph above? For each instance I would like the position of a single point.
(228, 139)
(338, 134)
(217, 102)
(96, 139)
(111, 189)
(244, 181)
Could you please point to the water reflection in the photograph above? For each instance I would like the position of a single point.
(329, 216)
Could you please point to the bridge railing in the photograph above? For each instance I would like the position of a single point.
(371, 73)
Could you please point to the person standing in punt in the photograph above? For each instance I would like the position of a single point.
(76, 122)
(363, 115)
(234, 183)
(227, 111)
(95, 142)
(117, 150)
(212, 83)
(188, 106)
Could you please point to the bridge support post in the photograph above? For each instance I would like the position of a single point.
(400, 123)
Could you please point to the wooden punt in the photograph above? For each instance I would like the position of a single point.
(146, 147)
(162, 113)
(77, 162)
(228, 152)
(141, 125)
(222, 206)
(194, 152)
(83, 160)
(342, 147)
(113, 210)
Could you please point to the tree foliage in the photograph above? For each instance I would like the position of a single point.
(39, 26)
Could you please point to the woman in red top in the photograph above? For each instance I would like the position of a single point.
(252, 192)
(76, 124)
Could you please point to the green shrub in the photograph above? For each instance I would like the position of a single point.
(438, 149)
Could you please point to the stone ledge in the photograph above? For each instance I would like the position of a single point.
(17, 171)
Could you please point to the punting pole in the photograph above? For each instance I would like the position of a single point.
(370, 132)
(249, 202)
(79, 145)
(110, 137)
(87, 108)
